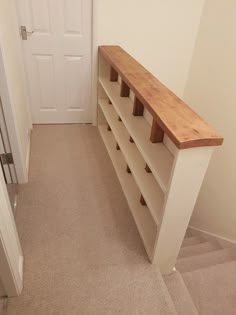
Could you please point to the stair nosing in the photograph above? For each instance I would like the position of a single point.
(188, 295)
(212, 247)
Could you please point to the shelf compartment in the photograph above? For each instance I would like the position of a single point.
(142, 217)
(147, 184)
(156, 155)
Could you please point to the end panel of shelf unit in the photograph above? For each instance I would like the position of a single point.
(157, 156)
(144, 221)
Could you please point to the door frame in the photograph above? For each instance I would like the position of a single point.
(94, 58)
(94, 61)
(92, 108)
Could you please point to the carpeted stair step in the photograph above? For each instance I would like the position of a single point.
(205, 260)
(193, 241)
(213, 289)
(179, 294)
(198, 249)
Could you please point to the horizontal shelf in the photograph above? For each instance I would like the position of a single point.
(145, 224)
(156, 155)
(146, 182)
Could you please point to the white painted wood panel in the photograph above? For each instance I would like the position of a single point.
(40, 15)
(145, 224)
(45, 75)
(73, 22)
(158, 157)
(189, 171)
(146, 182)
(74, 74)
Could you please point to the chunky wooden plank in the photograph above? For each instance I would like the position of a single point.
(128, 169)
(184, 127)
(124, 90)
(142, 201)
(147, 169)
(157, 134)
(138, 107)
(113, 75)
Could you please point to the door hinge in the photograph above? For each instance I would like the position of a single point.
(6, 158)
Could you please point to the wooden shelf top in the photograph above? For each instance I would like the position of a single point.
(183, 126)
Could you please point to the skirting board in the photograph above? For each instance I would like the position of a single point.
(213, 236)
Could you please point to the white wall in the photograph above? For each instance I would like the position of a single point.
(13, 63)
(211, 91)
(159, 33)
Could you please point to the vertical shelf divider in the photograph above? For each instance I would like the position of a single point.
(138, 108)
(113, 75)
(157, 134)
(124, 90)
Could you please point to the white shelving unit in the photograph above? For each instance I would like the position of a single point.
(157, 156)
(144, 221)
(146, 182)
(161, 184)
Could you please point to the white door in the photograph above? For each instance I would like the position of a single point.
(58, 59)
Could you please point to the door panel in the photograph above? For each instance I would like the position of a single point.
(58, 59)
(45, 77)
(74, 74)
(73, 23)
(39, 14)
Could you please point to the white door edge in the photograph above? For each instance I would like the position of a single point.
(94, 56)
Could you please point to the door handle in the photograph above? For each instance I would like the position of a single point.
(25, 33)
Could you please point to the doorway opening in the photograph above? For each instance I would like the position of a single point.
(56, 40)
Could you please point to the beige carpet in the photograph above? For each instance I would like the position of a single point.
(83, 254)
(1, 305)
(213, 289)
(208, 270)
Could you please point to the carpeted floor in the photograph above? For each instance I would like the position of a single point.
(1, 305)
(83, 254)
(213, 289)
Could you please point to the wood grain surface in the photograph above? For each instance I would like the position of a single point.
(183, 126)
